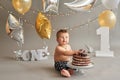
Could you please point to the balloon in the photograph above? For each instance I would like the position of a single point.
(107, 19)
(22, 6)
(50, 6)
(81, 5)
(14, 30)
(43, 26)
(111, 4)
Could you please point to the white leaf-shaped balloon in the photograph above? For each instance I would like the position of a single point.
(14, 30)
(81, 5)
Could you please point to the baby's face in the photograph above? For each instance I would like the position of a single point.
(63, 38)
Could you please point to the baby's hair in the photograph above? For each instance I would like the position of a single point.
(61, 31)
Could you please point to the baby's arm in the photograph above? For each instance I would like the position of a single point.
(63, 51)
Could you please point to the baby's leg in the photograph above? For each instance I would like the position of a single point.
(65, 73)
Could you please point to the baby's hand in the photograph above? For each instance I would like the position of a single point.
(76, 52)
(79, 51)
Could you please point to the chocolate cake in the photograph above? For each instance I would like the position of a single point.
(81, 59)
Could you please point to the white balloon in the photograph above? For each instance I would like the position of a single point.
(14, 29)
(50, 6)
(111, 4)
(81, 5)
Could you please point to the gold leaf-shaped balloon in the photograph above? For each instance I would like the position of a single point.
(43, 26)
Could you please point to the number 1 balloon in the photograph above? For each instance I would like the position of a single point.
(14, 30)
(81, 5)
(50, 6)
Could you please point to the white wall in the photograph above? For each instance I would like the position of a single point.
(78, 36)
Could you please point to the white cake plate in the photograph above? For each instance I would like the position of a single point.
(80, 68)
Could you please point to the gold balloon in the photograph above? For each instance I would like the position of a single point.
(43, 26)
(107, 19)
(22, 6)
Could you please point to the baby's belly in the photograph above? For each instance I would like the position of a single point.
(62, 58)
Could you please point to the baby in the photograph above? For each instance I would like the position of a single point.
(63, 53)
